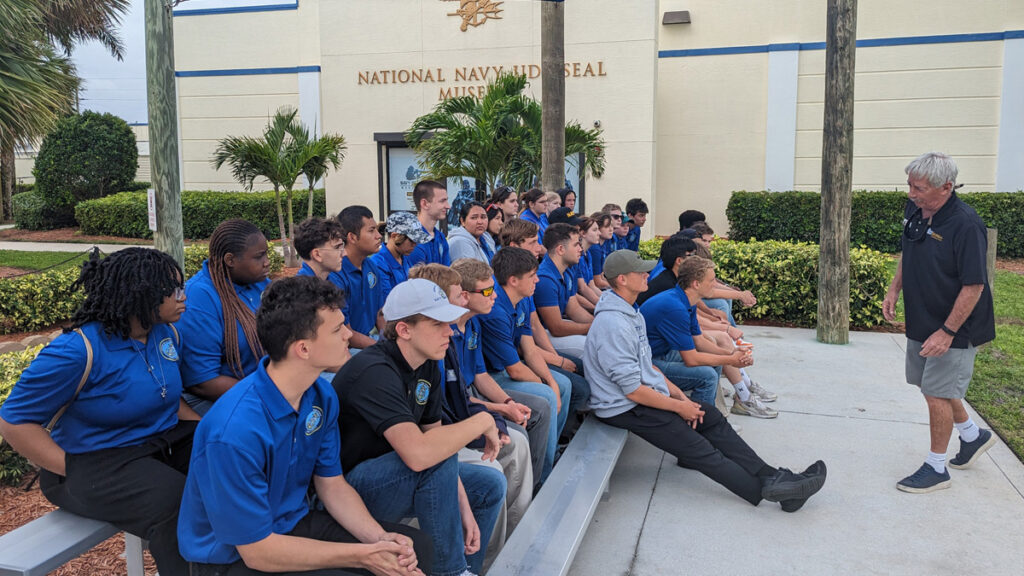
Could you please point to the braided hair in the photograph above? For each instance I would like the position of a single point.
(232, 237)
(130, 283)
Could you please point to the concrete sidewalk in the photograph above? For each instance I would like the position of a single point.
(850, 406)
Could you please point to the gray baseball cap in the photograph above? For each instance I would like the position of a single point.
(420, 296)
(625, 261)
(405, 223)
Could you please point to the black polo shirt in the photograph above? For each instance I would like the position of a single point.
(662, 282)
(377, 390)
(947, 258)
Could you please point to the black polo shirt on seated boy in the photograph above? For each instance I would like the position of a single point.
(373, 400)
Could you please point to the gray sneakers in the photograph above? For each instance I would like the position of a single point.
(761, 392)
(753, 407)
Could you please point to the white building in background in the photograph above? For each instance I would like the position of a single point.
(730, 100)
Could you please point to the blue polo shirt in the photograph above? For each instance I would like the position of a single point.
(502, 329)
(658, 269)
(612, 244)
(671, 322)
(632, 239)
(597, 256)
(433, 252)
(585, 269)
(541, 222)
(469, 349)
(362, 294)
(121, 403)
(253, 457)
(390, 271)
(202, 329)
(305, 270)
(554, 288)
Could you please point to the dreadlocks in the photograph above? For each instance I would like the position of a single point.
(130, 283)
(232, 237)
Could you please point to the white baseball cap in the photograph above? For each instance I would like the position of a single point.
(420, 296)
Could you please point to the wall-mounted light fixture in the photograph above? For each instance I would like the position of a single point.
(676, 17)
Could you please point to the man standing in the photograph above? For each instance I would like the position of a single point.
(948, 305)
(431, 199)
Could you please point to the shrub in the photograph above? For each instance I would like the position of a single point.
(38, 300)
(125, 214)
(196, 253)
(32, 212)
(19, 188)
(784, 277)
(88, 155)
(876, 220)
(13, 466)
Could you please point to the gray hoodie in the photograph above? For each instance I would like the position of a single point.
(462, 244)
(617, 357)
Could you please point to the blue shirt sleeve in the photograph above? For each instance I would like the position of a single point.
(235, 492)
(202, 338)
(546, 293)
(497, 340)
(48, 383)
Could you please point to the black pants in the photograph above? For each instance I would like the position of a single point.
(138, 489)
(714, 448)
(319, 525)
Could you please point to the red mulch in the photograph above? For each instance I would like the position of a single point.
(65, 235)
(18, 507)
(6, 271)
(1010, 264)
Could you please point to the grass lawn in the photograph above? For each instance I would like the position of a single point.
(997, 391)
(36, 260)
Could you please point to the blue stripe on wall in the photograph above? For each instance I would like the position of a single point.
(867, 43)
(237, 9)
(245, 71)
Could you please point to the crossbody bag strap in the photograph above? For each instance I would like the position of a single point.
(177, 337)
(81, 383)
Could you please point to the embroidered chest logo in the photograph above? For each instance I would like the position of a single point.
(371, 279)
(422, 392)
(476, 12)
(473, 340)
(167, 350)
(521, 319)
(314, 420)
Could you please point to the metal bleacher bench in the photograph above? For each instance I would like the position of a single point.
(547, 538)
(47, 543)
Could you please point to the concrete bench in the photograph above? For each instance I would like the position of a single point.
(47, 543)
(547, 538)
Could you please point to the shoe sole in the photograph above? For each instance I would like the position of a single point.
(768, 416)
(795, 490)
(984, 448)
(765, 399)
(940, 486)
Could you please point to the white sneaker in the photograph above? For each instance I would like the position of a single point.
(761, 392)
(466, 572)
(752, 407)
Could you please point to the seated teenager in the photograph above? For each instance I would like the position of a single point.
(606, 231)
(554, 202)
(524, 412)
(568, 196)
(619, 228)
(636, 210)
(110, 391)
(495, 221)
(507, 199)
(431, 200)
(560, 313)
(358, 277)
(535, 209)
(320, 243)
(471, 239)
(403, 234)
(722, 296)
(218, 330)
(590, 236)
(630, 393)
(567, 216)
(673, 252)
(244, 511)
(687, 218)
(398, 456)
(513, 458)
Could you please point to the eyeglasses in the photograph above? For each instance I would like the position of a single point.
(486, 292)
(179, 294)
(916, 228)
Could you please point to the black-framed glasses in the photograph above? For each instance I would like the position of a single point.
(916, 227)
(486, 292)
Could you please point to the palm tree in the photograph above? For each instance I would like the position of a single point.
(496, 138)
(276, 157)
(323, 152)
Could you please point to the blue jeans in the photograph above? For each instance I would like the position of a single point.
(545, 392)
(701, 380)
(721, 304)
(392, 491)
(580, 387)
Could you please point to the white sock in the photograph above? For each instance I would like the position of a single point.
(936, 461)
(746, 379)
(742, 392)
(969, 431)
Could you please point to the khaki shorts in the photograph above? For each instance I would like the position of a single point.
(945, 376)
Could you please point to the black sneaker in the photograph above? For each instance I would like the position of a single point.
(926, 479)
(970, 451)
(787, 485)
(816, 469)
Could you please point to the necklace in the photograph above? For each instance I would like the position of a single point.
(162, 382)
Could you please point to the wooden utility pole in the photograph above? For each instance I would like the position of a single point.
(836, 174)
(552, 71)
(163, 128)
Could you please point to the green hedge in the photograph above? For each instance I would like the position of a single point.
(876, 221)
(32, 212)
(784, 277)
(125, 214)
(13, 466)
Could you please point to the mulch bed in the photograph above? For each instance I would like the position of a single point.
(7, 271)
(19, 507)
(65, 235)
